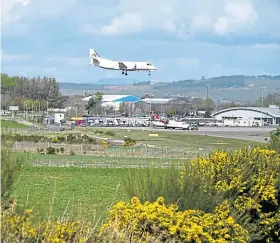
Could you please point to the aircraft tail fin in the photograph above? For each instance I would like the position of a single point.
(93, 56)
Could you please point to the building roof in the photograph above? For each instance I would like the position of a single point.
(156, 100)
(116, 98)
(273, 111)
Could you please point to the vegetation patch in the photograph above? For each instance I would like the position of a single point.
(11, 124)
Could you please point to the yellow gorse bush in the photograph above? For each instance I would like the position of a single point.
(17, 227)
(248, 180)
(251, 177)
(150, 221)
(104, 144)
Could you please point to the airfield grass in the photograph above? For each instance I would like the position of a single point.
(11, 124)
(80, 193)
(97, 160)
(88, 193)
(177, 140)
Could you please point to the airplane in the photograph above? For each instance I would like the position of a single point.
(96, 60)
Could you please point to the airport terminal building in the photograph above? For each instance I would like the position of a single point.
(249, 116)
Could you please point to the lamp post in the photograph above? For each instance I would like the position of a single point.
(262, 98)
(150, 103)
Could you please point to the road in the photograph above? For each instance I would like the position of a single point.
(256, 134)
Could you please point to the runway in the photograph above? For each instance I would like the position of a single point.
(256, 134)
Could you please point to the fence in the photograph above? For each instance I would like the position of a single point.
(140, 151)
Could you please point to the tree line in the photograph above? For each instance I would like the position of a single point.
(27, 92)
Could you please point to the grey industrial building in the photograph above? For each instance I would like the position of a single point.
(249, 116)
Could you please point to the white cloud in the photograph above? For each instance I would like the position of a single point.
(180, 18)
(222, 26)
(201, 22)
(12, 10)
(184, 18)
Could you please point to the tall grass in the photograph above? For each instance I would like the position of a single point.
(150, 183)
(11, 167)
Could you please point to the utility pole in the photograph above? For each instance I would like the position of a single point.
(262, 98)
(262, 123)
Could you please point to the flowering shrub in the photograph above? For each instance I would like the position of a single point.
(17, 227)
(104, 144)
(128, 142)
(151, 221)
(55, 140)
(250, 178)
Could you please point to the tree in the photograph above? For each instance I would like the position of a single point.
(20, 89)
(271, 99)
(122, 108)
(94, 102)
(91, 105)
(208, 104)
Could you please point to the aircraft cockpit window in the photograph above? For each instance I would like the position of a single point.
(149, 64)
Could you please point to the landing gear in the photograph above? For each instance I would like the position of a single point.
(124, 72)
(149, 73)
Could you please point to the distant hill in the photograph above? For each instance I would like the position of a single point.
(115, 81)
(234, 87)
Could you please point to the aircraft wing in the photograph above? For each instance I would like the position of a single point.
(122, 66)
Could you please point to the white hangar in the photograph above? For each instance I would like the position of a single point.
(249, 116)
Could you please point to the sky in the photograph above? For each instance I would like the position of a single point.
(184, 39)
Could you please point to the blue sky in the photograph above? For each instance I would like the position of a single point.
(183, 38)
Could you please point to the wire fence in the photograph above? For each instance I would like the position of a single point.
(140, 151)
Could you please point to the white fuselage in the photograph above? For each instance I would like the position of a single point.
(96, 60)
(130, 66)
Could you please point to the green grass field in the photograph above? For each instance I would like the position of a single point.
(89, 192)
(11, 124)
(80, 192)
(176, 140)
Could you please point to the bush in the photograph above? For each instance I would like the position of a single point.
(248, 178)
(17, 227)
(40, 150)
(129, 142)
(62, 150)
(110, 133)
(50, 150)
(55, 140)
(70, 138)
(92, 140)
(18, 137)
(274, 142)
(157, 221)
(99, 132)
(11, 166)
(61, 139)
(72, 152)
(104, 143)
